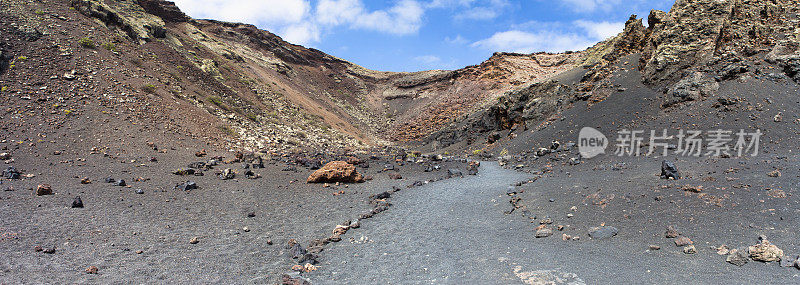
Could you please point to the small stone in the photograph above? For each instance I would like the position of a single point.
(38, 248)
(683, 241)
(603, 232)
(654, 247)
(194, 240)
(77, 203)
(736, 257)
(788, 262)
(139, 191)
(251, 214)
(671, 232)
(723, 250)
(774, 173)
(50, 250)
(689, 249)
(86, 180)
(91, 270)
(511, 191)
(544, 232)
(139, 251)
(246, 229)
(44, 189)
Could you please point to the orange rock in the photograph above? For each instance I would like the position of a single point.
(336, 171)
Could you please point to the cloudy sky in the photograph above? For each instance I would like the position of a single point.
(412, 35)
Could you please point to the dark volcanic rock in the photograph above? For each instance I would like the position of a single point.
(737, 257)
(77, 203)
(454, 173)
(669, 170)
(287, 279)
(44, 189)
(186, 186)
(693, 87)
(296, 251)
(164, 9)
(11, 173)
(603, 232)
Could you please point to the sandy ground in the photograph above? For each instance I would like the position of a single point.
(145, 238)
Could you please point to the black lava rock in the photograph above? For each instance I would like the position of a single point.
(669, 170)
(77, 203)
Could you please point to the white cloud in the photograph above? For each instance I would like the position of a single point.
(302, 33)
(267, 12)
(402, 19)
(529, 42)
(458, 40)
(298, 22)
(591, 5)
(472, 9)
(601, 30)
(428, 59)
(550, 37)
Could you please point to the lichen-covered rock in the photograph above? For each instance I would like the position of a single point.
(336, 171)
(765, 251)
(127, 16)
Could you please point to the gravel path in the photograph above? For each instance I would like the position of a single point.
(455, 232)
(445, 232)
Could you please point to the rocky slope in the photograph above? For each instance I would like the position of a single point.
(684, 53)
(252, 89)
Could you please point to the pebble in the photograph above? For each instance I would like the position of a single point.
(689, 249)
(671, 232)
(683, 241)
(194, 240)
(544, 232)
(92, 270)
(77, 203)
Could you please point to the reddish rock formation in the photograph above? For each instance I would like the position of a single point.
(336, 171)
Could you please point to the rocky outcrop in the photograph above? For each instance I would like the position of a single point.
(693, 87)
(164, 9)
(129, 17)
(336, 171)
(694, 32)
(684, 37)
(512, 111)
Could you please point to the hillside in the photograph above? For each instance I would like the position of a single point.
(241, 84)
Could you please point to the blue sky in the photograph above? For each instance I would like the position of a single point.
(412, 35)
